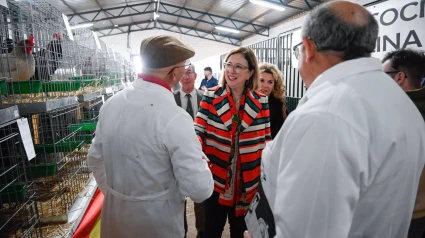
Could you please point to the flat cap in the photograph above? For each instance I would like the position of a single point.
(163, 51)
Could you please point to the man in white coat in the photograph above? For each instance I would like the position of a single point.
(145, 156)
(347, 161)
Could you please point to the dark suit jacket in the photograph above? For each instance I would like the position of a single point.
(178, 99)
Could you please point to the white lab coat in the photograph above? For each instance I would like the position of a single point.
(146, 158)
(347, 161)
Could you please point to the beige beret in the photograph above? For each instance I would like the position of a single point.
(163, 51)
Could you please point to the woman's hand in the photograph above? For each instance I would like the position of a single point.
(204, 157)
(246, 235)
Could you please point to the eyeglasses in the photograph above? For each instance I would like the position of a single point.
(188, 73)
(392, 72)
(296, 48)
(186, 66)
(237, 67)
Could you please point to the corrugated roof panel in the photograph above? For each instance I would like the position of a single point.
(241, 10)
(200, 5)
(227, 8)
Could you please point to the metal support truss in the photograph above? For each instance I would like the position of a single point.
(177, 11)
(308, 4)
(281, 2)
(171, 27)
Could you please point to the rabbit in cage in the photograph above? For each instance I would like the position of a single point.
(19, 65)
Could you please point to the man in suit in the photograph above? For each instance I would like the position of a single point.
(188, 98)
(188, 93)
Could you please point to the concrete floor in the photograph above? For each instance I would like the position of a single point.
(190, 213)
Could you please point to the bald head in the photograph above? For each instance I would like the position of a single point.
(350, 12)
(344, 28)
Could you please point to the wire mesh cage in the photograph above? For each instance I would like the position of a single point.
(60, 169)
(42, 60)
(40, 63)
(90, 110)
(18, 210)
(46, 74)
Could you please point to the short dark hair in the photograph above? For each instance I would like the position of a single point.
(411, 62)
(208, 69)
(332, 33)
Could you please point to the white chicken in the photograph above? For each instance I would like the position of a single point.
(19, 65)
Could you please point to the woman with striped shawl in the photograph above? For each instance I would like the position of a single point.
(233, 126)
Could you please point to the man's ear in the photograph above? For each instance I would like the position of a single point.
(400, 78)
(196, 75)
(173, 76)
(309, 49)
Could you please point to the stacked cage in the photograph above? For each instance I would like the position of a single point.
(59, 85)
(87, 70)
(129, 73)
(89, 113)
(38, 68)
(60, 170)
(47, 97)
(18, 208)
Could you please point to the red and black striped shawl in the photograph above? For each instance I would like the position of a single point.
(213, 125)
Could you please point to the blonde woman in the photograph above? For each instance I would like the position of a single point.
(271, 85)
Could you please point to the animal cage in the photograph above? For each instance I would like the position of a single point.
(18, 210)
(44, 73)
(40, 63)
(60, 169)
(89, 114)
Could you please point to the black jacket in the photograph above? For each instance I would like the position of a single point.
(276, 115)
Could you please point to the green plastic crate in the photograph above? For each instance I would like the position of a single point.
(35, 171)
(3, 88)
(60, 147)
(61, 86)
(86, 138)
(16, 192)
(87, 82)
(87, 76)
(10, 175)
(26, 87)
(115, 81)
(83, 126)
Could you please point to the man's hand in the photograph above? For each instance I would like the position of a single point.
(246, 235)
(203, 88)
(204, 157)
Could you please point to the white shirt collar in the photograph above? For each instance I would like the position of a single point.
(192, 94)
(342, 71)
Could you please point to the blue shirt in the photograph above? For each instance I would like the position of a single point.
(209, 84)
(423, 82)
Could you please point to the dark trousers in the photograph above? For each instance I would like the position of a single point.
(417, 228)
(199, 218)
(216, 216)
